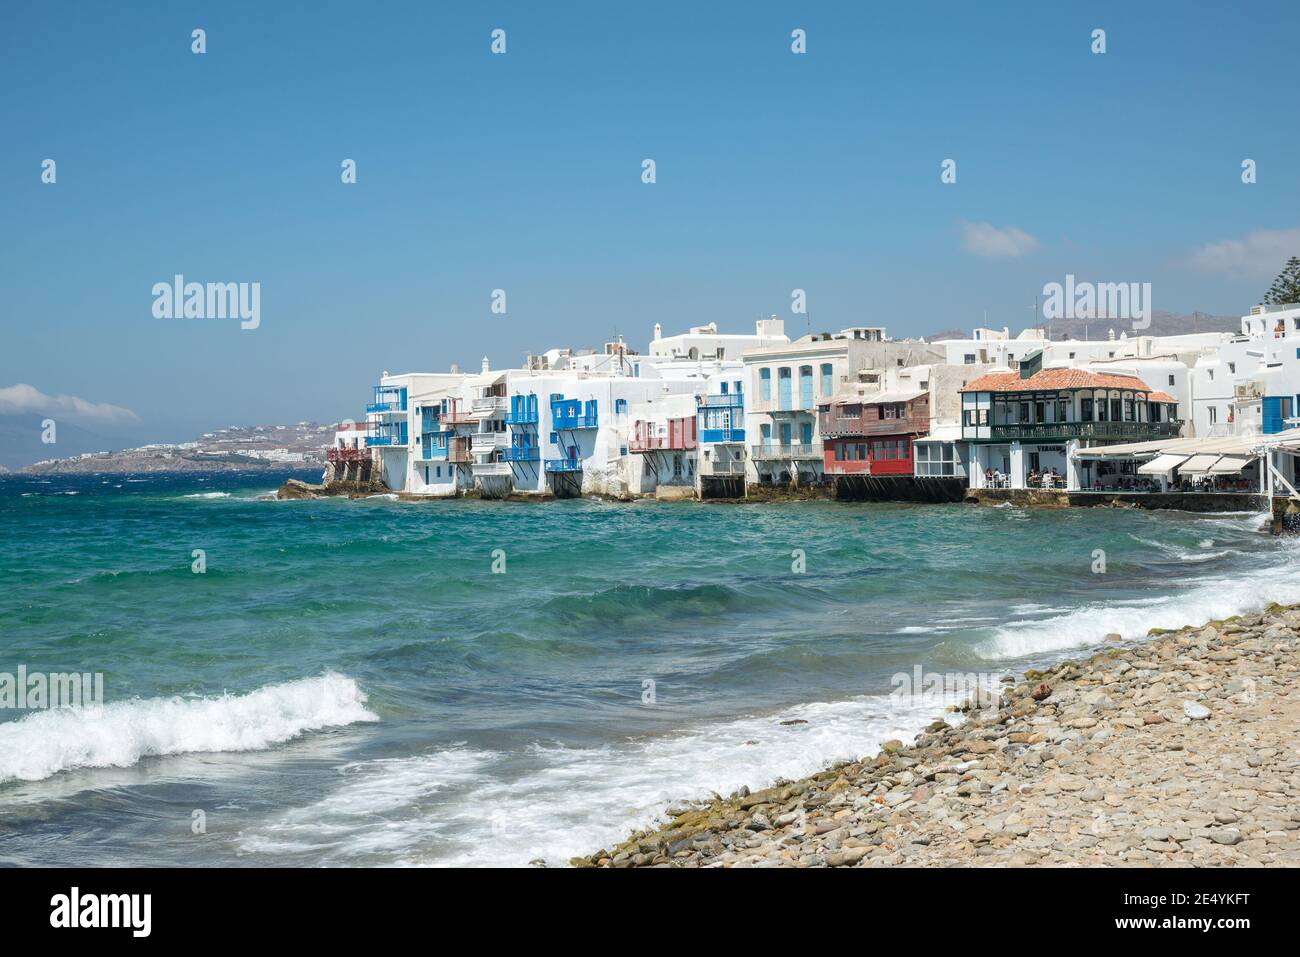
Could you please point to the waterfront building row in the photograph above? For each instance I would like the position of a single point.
(708, 414)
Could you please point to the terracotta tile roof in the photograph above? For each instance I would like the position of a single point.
(1161, 397)
(1051, 380)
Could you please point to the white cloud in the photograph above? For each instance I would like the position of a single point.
(1261, 255)
(1008, 242)
(23, 399)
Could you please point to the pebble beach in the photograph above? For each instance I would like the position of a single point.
(1179, 750)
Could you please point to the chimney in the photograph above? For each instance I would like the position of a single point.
(658, 332)
(486, 367)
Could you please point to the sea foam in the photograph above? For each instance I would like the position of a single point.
(466, 807)
(122, 733)
(1218, 598)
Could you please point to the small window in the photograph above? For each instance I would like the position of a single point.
(1171, 380)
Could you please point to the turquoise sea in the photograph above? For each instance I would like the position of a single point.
(350, 683)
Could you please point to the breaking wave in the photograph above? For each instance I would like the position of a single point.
(122, 733)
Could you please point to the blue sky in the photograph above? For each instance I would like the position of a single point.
(522, 172)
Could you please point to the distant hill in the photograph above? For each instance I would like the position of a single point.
(235, 447)
(1162, 324)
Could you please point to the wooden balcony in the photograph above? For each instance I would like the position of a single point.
(460, 452)
(347, 456)
(1063, 431)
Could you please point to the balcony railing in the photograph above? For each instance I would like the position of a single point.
(346, 456)
(388, 398)
(487, 441)
(432, 453)
(794, 451)
(564, 465)
(729, 400)
(387, 436)
(834, 426)
(583, 420)
(488, 405)
(722, 435)
(1062, 431)
(522, 417)
(491, 468)
(459, 417)
(726, 466)
(675, 435)
(521, 453)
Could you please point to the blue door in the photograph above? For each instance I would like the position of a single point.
(785, 433)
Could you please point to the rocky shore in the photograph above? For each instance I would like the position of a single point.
(1181, 750)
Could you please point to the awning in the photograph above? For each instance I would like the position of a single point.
(1198, 464)
(1229, 465)
(1162, 464)
(899, 396)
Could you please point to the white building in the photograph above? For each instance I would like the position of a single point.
(705, 342)
(787, 386)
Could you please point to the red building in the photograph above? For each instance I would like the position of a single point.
(873, 436)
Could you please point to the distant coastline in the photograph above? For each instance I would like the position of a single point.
(236, 448)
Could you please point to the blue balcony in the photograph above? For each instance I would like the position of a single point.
(432, 451)
(521, 453)
(564, 465)
(429, 421)
(387, 435)
(722, 435)
(388, 398)
(523, 410)
(723, 400)
(574, 414)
